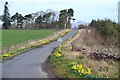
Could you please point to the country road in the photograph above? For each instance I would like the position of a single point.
(30, 64)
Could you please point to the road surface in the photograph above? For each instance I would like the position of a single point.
(31, 64)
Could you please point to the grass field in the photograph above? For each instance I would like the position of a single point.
(13, 37)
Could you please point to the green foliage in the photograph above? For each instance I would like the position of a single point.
(65, 17)
(28, 16)
(107, 29)
(70, 12)
(6, 17)
(39, 20)
(19, 18)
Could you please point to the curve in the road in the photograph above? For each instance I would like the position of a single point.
(30, 64)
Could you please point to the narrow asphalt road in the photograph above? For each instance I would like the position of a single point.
(30, 64)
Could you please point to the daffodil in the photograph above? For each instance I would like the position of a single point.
(82, 71)
(39, 43)
(74, 67)
(43, 42)
(89, 71)
(80, 66)
(57, 54)
(7, 55)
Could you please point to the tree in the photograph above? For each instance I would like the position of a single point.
(107, 29)
(47, 16)
(65, 16)
(93, 23)
(18, 18)
(28, 19)
(53, 15)
(39, 21)
(46, 19)
(6, 17)
(70, 14)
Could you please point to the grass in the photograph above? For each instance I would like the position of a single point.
(59, 65)
(14, 37)
(12, 53)
(99, 69)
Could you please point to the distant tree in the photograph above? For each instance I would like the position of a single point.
(6, 17)
(93, 23)
(65, 16)
(53, 15)
(70, 14)
(39, 21)
(18, 18)
(46, 19)
(28, 19)
(33, 17)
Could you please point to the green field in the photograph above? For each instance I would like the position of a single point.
(13, 37)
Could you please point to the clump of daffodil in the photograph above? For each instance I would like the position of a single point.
(74, 67)
(7, 55)
(82, 71)
(43, 42)
(39, 43)
(78, 69)
(58, 53)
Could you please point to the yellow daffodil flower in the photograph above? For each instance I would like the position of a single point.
(57, 54)
(82, 71)
(7, 55)
(74, 67)
(80, 66)
(89, 71)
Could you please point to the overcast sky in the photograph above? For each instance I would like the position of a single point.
(85, 10)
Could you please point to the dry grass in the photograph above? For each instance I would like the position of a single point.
(101, 68)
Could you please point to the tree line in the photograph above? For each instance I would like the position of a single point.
(108, 30)
(39, 20)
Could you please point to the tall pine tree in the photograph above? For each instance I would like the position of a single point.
(6, 17)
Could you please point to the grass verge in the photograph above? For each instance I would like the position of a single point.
(65, 67)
